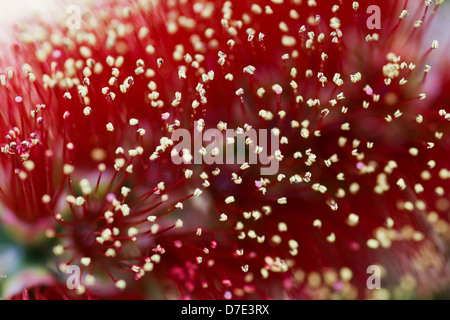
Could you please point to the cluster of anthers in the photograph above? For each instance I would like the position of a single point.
(362, 180)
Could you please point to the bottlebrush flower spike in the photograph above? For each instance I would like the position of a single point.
(361, 120)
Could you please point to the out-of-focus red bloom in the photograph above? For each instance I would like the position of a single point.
(363, 176)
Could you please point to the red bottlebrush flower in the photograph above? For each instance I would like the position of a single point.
(361, 175)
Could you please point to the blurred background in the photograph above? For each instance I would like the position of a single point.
(13, 11)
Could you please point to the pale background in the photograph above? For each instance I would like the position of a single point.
(12, 11)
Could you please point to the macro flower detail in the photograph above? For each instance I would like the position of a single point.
(91, 118)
